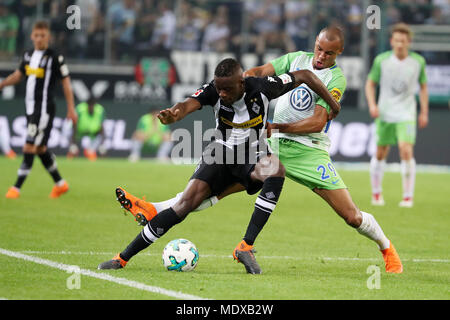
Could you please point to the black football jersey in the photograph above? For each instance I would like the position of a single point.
(42, 68)
(235, 123)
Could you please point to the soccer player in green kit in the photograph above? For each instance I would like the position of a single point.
(302, 120)
(90, 124)
(397, 72)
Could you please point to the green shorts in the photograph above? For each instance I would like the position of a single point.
(308, 166)
(392, 133)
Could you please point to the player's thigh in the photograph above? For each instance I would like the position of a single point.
(193, 195)
(39, 127)
(386, 133)
(406, 133)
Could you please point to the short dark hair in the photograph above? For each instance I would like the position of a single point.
(334, 32)
(227, 68)
(41, 25)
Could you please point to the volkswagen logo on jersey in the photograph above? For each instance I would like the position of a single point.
(301, 98)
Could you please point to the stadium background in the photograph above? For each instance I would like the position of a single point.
(134, 55)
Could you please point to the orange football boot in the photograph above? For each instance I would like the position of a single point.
(244, 254)
(58, 191)
(90, 155)
(115, 263)
(392, 260)
(142, 210)
(13, 193)
(11, 154)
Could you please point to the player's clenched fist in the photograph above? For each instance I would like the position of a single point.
(168, 116)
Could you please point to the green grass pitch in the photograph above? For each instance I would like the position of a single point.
(306, 251)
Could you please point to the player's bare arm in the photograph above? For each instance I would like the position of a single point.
(315, 123)
(260, 71)
(370, 90)
(315, 84)
(13, 79)
(68, 94)
(423, 98)
(178, 111)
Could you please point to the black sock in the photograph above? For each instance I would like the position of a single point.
(265, 203)
(157, 227)
(24, 169)
(137, 245)
(48, 160)
(163, 221)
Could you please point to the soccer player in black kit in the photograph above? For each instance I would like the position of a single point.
(42, 67)
(238, 154)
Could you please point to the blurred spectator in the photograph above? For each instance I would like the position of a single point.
(393, 15)
(265, 22)
(89, 125)
(9, 26)
(122, 18)
(147, 15)
(153, 135)
(445, 7)
(217, 33)
(164, 33)
(437, 18)
(58, 26)
(189, 28)
(413, 13)
(354, 12)
(90, 15)
(298, 22)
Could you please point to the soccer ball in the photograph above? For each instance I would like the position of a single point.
(180, 255)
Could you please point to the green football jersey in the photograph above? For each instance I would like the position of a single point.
(147, 124)
(398, 81)
(90, 124)
(299, 103)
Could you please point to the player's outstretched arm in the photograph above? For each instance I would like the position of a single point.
(315, 84)
(13, 79)
(179, 111)
(68, 94)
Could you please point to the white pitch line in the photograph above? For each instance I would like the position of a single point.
(94, 253)
(102, 276)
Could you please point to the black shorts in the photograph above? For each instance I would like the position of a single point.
(232, 167)
(39, 127)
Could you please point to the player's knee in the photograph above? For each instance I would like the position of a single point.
(280, 170)
(29, 148)
(41, 149)
(353, 217)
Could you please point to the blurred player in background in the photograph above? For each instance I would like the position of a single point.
(397, 72)
(90, 124)
(151, 133)
(5, 145)
(42, 67)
